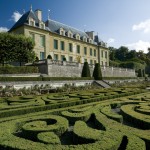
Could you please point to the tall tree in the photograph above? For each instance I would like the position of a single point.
(121, 53)
(16, 48)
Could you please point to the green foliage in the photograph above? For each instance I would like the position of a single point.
(140, 73)
(97, 74)
(84, 134)
(123, 57)
(16, 48)
(18, 70)
(48, 138)
(86, 70)
(49, 57)
(132, 65)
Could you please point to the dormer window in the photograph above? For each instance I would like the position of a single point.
(69, 34)
(61, 31)
(31, 22)
(90, 40)
(84, 39)
(42, 25)
(77, 36)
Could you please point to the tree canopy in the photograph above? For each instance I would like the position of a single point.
(123, 57)
(16, 48)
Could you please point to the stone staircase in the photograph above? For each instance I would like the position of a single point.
(102, 83)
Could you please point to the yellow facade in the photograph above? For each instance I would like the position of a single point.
(62, 44)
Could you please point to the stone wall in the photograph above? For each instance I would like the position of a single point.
(68, 69)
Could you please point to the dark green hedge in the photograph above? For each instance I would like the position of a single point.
(118, 78)
(5, 79)
(19, 70)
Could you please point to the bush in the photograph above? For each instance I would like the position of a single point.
(140, 73)
(49, 57)
(97, 74)
(86, 70)
(19, 70)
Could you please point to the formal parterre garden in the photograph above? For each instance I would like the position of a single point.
(99, 119)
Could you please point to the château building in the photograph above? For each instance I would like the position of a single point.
(60, 40)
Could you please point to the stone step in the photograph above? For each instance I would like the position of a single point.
(102, 84)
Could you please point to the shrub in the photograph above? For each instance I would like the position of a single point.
(140, 73)
(18, 70)
(49, 57)
(86, 70)
(97, 74)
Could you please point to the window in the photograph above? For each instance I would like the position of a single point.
(84, 39)
(62, 32)
(77, 36)
(70, 58)
(62, 45)
(95, 52)
(42, 55)
(55, 57)
(102, 63)
(32, 36)
(105, 54)
(101, 53)
(85, 51)
(78, 49)
(70, 47)
(70, 35)
(106, 64)
(85, 60)
(42, 41)
(91, 51)
(32, 23)
(94, 61)
(91, 62)
(62, 57)
(42, 26)
(55, 44)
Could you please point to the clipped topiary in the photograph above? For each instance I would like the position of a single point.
(49, 57)
(143, 72)
(86, 70)
(140, 73)
(97, 74)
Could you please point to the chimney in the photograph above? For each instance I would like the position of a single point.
(38, 13)
(90, 34)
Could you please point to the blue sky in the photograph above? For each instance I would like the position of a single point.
(117, 22)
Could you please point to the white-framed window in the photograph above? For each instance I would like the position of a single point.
(32, 35)
(69, 34)
(77, 36)
(84, 39)
(61, 31)
(78, 49)
(70, 58)
(42, 25)
(106, 54)
(62, 45)
(32, 23)
(55, 56)
(42, 41)
(42, 55)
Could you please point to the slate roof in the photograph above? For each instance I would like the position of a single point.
(24, 19)
(54, 26)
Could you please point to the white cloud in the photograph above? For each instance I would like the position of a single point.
(140, 45)
(16, 16)
(144, 26)
(3, 29)
(111, 40)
